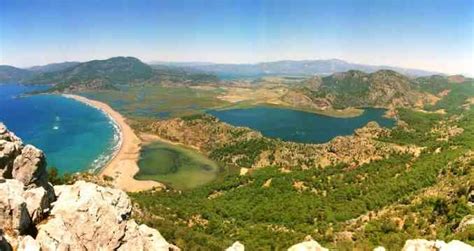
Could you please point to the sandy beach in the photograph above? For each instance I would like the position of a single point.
(123, 166)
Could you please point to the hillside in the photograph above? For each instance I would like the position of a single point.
(111, 73)
(53, 67)
(358, 89)
(12, 74)
(97, 74)
(384, 88)
(369, 194)
(115, 73)
(90, 215)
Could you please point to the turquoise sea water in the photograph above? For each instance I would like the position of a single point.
(74, 136)
(299, 126)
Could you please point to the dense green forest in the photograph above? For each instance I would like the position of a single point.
(271, 210)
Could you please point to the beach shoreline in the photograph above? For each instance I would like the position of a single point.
(123, 165)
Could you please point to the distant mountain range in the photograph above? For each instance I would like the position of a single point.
(122, 69)
(293, 67)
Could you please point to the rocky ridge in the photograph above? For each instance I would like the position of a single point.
(34, 215)
(410, 245)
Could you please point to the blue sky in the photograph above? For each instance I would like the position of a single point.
(426, 34)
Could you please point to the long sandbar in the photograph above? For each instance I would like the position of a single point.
(123, 166)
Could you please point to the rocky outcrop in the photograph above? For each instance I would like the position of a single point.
(29, 167)
(86, 216)
(202, 132)
(24, 163)
(34, 215)
(466, 222)
(299, 99)
(236, 246)
(425, 245)
(308, 245)
(410, 245)
(27, 243)
(14, 216)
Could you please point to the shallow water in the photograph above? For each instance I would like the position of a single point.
(74, 136)
(176, 166)
(299, 126)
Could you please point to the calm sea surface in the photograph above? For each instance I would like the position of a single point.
(74, 136)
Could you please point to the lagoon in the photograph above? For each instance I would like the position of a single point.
(175, 166)
(299, 126)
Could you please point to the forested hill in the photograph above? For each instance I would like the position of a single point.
(356, 88)
(53, 67)
(98, 74)
(13, 74)
(103, 74)
(384, 88)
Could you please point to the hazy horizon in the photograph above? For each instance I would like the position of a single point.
(427, 35)
(151, 62)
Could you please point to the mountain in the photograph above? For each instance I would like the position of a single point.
(383, 88)
(53, 67)
(98, 73)
(296, 67)
(103, 74)
(13, 74)
(356, 88)
(114, 72)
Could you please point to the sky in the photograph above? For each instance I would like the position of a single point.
(425, 34)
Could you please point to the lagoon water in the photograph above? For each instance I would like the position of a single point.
(74, 136)
(299, 126)
(176, 166)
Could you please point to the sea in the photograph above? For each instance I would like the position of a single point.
(74, 136)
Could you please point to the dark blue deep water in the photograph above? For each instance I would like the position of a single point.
(298, 126)
(74, 136)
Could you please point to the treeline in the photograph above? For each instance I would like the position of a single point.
(291, 205)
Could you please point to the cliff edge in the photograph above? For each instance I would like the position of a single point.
(34, 215)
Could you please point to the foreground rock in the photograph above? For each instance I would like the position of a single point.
(425, 245)
(410, 245)
(34, 215)
(24, 163)
(14, 216)
(237, 246)
(87, 216)
(308, 245)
